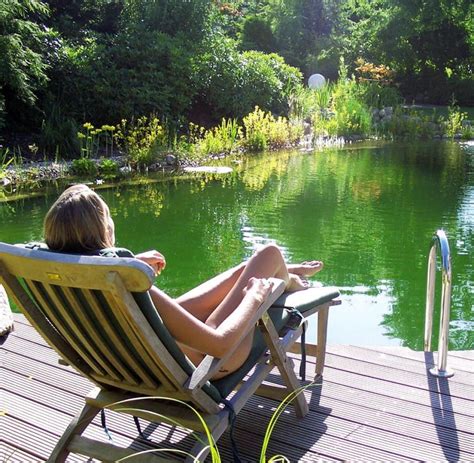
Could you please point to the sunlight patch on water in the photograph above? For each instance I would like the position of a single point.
(358, 320)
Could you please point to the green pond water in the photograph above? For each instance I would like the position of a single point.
(367, 211)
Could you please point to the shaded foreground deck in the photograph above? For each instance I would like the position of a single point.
(375, 404)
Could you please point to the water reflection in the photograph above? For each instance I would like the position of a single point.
(367, 211)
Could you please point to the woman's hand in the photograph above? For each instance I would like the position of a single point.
(154, 259)
(258, 289)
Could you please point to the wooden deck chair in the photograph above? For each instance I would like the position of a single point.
(98, 316)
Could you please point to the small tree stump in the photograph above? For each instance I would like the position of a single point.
(6, 316)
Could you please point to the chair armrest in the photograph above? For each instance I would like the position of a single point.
(210, 365)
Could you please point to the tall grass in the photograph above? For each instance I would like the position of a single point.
(210, 443)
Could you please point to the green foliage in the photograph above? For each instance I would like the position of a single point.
(59, 134)
(409, 125)
(143, 140)
(2, 111)
(336, 109)
(307, 103)
(108, 168)
(5, 161)
(376, 95)
(232, 83)
(257, 35)
(223, 138)
(23, 68)
(84, 167)
(171, 17)
(453, 124)
(94, 140)
(262, 130)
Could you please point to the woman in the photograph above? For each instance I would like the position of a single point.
(209, 318)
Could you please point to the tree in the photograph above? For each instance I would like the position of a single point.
(22, 65)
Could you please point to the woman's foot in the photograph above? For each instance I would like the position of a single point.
(305, 269)
(296, 283)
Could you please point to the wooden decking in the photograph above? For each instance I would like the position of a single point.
(375, 404)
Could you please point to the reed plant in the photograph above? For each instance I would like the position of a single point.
(126, 406)
(224, 138)
(262, 130)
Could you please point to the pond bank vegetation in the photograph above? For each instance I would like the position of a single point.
(348, 110)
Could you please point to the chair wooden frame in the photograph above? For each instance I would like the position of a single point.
(51, 289)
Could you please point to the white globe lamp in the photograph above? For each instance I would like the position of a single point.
(316, 81)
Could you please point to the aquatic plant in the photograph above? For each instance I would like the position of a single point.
(454, 123)
(223, 138)
(262, 130)
(108, 168)
(142, 140)
(127, 407)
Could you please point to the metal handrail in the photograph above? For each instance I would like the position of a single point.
(439, 241)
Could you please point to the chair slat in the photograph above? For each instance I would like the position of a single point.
(96, 332)
(37, 318)
(38, 290)
(148, 343)
(140, 342)
(123, 350)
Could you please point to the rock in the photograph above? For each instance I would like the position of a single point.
(388, 111)
(382, 113)
(6, 316)
(466, 123)
(171, 160)
(125, 170)
(457, 136)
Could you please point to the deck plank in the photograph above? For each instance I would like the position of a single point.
(373, 404)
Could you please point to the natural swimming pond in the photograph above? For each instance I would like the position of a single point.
(367, 211)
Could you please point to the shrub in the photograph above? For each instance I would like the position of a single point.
(263, 130)
(84, 167)
(453, 124)
(232, 83)
(223, 138)
(108, 168)
(257, 35)
(142, 140)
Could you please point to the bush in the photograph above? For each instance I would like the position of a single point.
(108, 168)
(138, 73)
(223, 138)
(142, 140)
(263, 130)
(453, 124)
(84, 167)
(257, 35)
(347, 113)
(232, 83)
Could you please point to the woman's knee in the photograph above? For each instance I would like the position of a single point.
(269, 251)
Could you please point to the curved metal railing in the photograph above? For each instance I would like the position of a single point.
(439, 241)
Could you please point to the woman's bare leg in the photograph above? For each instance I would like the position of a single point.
(203, 300)
(267, 262)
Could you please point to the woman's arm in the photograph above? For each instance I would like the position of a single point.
(211, 340)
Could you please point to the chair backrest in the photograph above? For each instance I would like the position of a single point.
(86, 309)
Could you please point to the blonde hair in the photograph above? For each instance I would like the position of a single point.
(79, 221)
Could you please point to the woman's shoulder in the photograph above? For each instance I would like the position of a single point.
(106, 252)
(115, 252)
